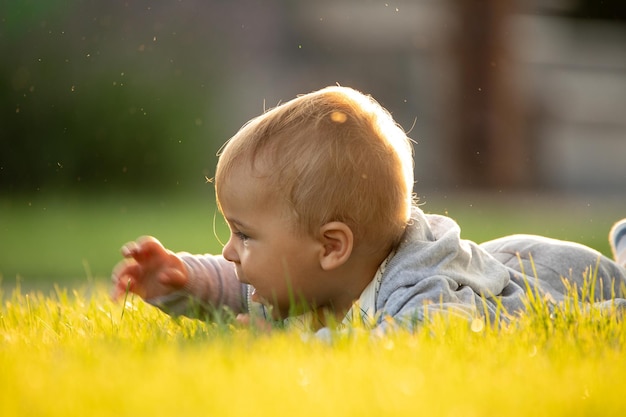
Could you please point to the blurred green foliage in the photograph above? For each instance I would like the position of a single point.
(96, 96)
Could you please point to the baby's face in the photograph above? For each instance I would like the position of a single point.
(281, 265)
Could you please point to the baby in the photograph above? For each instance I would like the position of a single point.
(318, 196)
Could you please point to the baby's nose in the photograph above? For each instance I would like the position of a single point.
(229, 253)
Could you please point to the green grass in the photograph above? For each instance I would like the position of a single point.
(71, 351)
(79, 354)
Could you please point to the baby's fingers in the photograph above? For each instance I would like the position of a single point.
(145, 249)
(124, 279)
(129, 249)
(119, 289)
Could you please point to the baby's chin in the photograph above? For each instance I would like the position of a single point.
(276, 312)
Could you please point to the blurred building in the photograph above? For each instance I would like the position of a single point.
(557, 117)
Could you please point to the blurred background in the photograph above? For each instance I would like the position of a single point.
(112, 113)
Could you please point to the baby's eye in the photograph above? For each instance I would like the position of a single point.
(241, 236)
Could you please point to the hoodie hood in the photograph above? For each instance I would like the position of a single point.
(434, 265)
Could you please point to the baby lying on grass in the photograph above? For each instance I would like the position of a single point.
(318, 195)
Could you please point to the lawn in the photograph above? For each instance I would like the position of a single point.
(69, 350)
(79, 354)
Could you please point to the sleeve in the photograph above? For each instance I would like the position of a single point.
(212, 288)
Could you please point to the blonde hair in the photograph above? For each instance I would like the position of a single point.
(331, 155)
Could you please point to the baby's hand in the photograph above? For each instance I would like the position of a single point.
(148, 270)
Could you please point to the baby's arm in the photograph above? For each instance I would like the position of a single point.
(212, 285)
(179, 284)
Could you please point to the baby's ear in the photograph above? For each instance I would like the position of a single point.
(338, 241)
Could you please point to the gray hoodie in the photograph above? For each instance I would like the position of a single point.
(434, 270)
